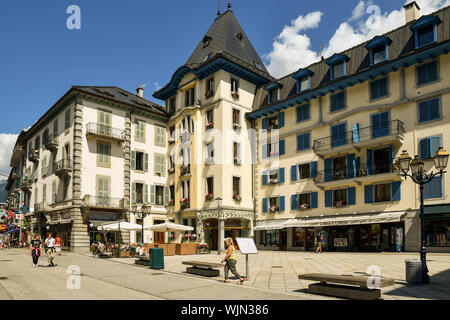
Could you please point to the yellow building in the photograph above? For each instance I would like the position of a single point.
(329, 134)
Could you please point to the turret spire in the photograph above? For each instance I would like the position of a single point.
(229, 4)
(218, 11)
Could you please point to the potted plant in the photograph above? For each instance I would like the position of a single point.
(274, 209)
(171, 203)
(209, 197)
(235, 95)
(171, 170)
(273, 181)
(171, 236)
(304, 206)
(236, 197)
(184, 203)
(210, 126)
(236, 126)
(339, 204)
(186, 237)
(193, 237)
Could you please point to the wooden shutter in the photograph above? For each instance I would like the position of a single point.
(369, 162)
(133, 160)
(313, 168)
(351, 194)
(294, 173)
(146, 162)
(314, 200)
(396, 191)
(152, 194)
(157, 167)
(282, 203)
(294, 202)
(265, 205)
(133, 193)
(145, 200)
(328, 170)
(281, 120)
(368, 194)
(282, 147)
(281, 174)
(265, 178)
(166, 196)
(328, 199)
(351, 170)
(435, 143)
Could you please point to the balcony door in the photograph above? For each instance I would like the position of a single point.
(380, 125)
(338, 135)
(104, 122)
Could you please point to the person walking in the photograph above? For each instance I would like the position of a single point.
(231, 261)
(36, 249)
(1, 242)
(319, 243)
(50, 249)
(58, 245)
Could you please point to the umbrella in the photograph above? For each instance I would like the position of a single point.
(170, 227)
(123, 226)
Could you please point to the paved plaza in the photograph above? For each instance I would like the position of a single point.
(273, 276)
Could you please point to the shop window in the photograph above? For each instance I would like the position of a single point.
(299, 237)
(270, 238)
(382, 192)
(437, 232)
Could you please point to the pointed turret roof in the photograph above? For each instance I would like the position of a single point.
(226, 35)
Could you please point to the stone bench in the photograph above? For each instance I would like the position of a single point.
(345, 286)
(206, 269)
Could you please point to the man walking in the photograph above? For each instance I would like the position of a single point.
(50, 249)
(319, 242)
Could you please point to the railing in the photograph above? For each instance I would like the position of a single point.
(50, 141)
(392, 128)
(39, 207)
(185, 137)
(104, 202)
(185, 204)
(34, 155)
(100, 129)
(357, 171)
(185, 170)
(62, 165)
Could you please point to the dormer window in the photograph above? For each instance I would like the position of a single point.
(303, 77)
(378, 49)
(338, 67)
(206, 41)
(425, 31)
(273, 90)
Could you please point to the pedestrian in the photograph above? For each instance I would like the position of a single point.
(36, 249)
(231, 261)
(50, 249)
(319, 242)
(58, 245)
(7, 241)
(1, 243)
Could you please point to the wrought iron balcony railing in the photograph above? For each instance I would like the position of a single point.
(393, 128)
(104, 202)
(51, 142)
(62, 167)
(185, 170)
(34, 155)
(105, 131)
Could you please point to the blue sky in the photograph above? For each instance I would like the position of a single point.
(124, 43)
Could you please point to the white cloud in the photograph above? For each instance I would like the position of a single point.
(7, 142)
(292, 48)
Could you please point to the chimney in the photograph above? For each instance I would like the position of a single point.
(411, 11)
(140, 91)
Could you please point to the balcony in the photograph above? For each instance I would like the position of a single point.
(185, 204)
(391, 132)
(104, 202)
(34, 156)
(62, 168)
(51, 142)
(185, 137)
(185, 170)
(358, 173)
(105, 132)
(26, 183)
(40, 207)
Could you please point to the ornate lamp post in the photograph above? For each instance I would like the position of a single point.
(420, 177)
(218, 199)
(145, 211)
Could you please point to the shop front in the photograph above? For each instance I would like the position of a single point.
(97, 219)
(60, 223)
(271, 235)
(437, 228)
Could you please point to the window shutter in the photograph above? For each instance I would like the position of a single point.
(294, 173)
(369, 161)
(396, 191)
(368, 194)
(351, 196)
(282, 203)
(264, 123)
(281, 120)
(306, 140)
(313, 168)
(427, 190)
(265, 178)
(435, 143)
(436, 185)
(133, 160)
(146, 162)
(314, 200)
(133, 193)
(166, 196)
(294, 202)
(328, 199)
(351, 170)
(264, 151)
(265, 205)
(152, 194)
(328, 170)
(157, 167)
(282, 147)
(281, 175)
(391, 155)
(300, 143)
(424, 149)
(355, 133)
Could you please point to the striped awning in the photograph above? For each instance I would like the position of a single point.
(270, 224)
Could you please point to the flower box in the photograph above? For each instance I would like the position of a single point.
(209, 197)
(273, 181)
(236, 126)
(236, 197)
(274, 209)
(303, 206)
(235, 95)
(340, 204)
(209, 126)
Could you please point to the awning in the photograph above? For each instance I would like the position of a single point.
(356, 219)
(97, 223)
(270, 224)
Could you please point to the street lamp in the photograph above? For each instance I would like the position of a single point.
(420, 177)
(145, 211)
(218, 199)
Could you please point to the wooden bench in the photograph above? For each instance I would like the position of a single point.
(206, 269)
(345, 286)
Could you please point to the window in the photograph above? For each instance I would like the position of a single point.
(380, 125)
(172, 105)
(304, 200)
(102, 187)
(140, 161)
(189, 98)
(338, 135)
(159, 195)
(67, 120)
(160, 136)
(429, 110)
(270, 238)
(139, 131)
(172, 134)
(234, 85)
(382, 160)
(337, 101)
(304, 171)
(210, 185)
(303, 141)
(433, 189)
(160, 164)
(103, 155)
(172, 193)
(339, 197)
(236, 117)
(338, 70)
(55, 128)
(429, 146)
(273, 176)
(426, 36)
(37, 143)
(382, 192)
(303, 113)
(54, 192)
(236, 153)
(272, 123)
(209, 88)
(185, 194)
(273, 203)
(139, 193)
(236, 185)
(303, 84)
(379, 54)
(210, 153)
(273, 95)
(427, 73)
(44, 194)
(210, 119)
(379, 88)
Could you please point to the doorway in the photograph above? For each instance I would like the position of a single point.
(283, 239)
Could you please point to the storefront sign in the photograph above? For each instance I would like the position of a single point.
(340, 242)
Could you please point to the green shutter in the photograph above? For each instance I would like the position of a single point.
(152, 194)
(145, 194)
(133, 160)
(166, 196)
(133, 193)
(146, 162)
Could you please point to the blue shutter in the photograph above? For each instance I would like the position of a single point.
(314, 200)
(313, 167)
(328, 199)
(380, 125)
(264, 151)
(355, 133)
(435, 143)
(358, 164)
(351, 165)
(328, 170)
(281, 120)
(306, 140)
(434, 111)
(294, 202)
(299, 142)
(424, 149)
(391, 155)
(265, 178)
(351, 192)
(282, 147)
(369, 162)
(264, 123)
(427, 190)
(294, 172)
(282, 204)
(265, 205)
(368, 194)
(436, 186)
(281, 175)
(396, 191)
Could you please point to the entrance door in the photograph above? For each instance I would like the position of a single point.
(283, 239)
(158, 237)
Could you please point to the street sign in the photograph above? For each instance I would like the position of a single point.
(247, 245)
